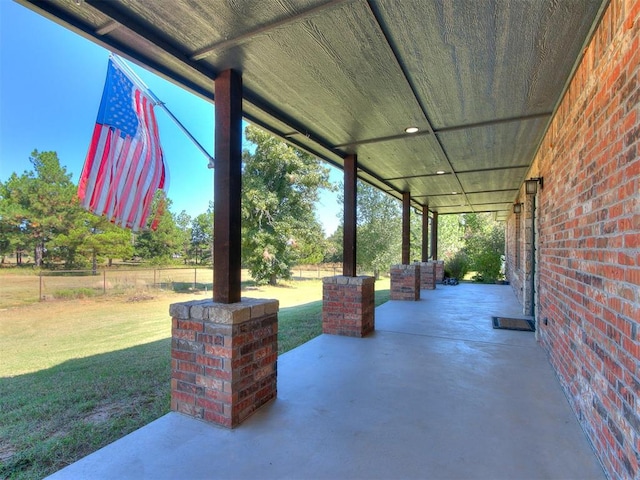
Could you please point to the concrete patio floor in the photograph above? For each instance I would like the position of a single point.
(434, 393)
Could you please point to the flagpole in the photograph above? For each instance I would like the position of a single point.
(186, 132)
(136, 79)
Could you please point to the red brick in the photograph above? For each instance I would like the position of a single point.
(183, 397)
(217, 351)
(218, 419)
(183, 376)
(209, 405)
(183, 334)
(205, 360)
(186, 356)
(190, 325)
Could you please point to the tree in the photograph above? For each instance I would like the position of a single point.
(333, 246)
(379, 229)
(451, 236)
(37, 206)
(184, 224)
(280, 188)
(484, 245)
(12, 215)
(92, 240)
(201, 242)
(416, 237)
(159, 246)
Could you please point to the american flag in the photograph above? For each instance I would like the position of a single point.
(124, 166)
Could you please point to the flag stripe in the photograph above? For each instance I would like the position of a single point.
(152, 177)
(96, 180)
(118, 181)
(104, 174)
(86, 170)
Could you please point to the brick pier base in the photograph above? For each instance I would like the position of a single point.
(405, 282)
(439, 270)
(427, 275)
(223, 358)
(348, 305)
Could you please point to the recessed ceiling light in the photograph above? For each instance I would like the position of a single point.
(454, 193)
(440, 172)
(411, 129)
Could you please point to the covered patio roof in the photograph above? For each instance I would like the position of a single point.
(479, 79)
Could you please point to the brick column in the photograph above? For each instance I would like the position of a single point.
(439, 270)
(427, 275)
(405, 282)
(348, 305)
(223, 358)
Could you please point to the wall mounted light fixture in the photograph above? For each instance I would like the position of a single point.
(517, 208)
(531, 185)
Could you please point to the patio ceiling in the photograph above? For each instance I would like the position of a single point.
(480, 79)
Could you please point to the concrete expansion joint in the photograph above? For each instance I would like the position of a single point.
(460, 339)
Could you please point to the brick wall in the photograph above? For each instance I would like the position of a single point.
(348, 305)
(588, 227)
(439, 270)
(405, 282)
(427, 275)
(223, 359)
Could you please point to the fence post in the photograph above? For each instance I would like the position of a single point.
(154, 279)
(195, 278)
(40, 291)
(104, 282)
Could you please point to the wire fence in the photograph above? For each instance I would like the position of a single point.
(306, 272)
(87, 283)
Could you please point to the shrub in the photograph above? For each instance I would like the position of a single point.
(458, 266)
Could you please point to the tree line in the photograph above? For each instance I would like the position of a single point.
(40, 216)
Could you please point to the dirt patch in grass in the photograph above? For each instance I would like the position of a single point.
(108, 410)
(6, 452)
(141, 297)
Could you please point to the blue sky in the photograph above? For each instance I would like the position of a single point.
(51, 82)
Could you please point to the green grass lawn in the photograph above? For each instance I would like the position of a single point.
(76, 375)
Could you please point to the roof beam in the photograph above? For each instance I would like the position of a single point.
(56, 13)
(491, 123)
(232, 42)
(422, 175)
(504, 190)
(111, 10)
(108, 27)
(454, 128)
(493, 169)
(480, 170)
(435, 195)
(401, 136)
